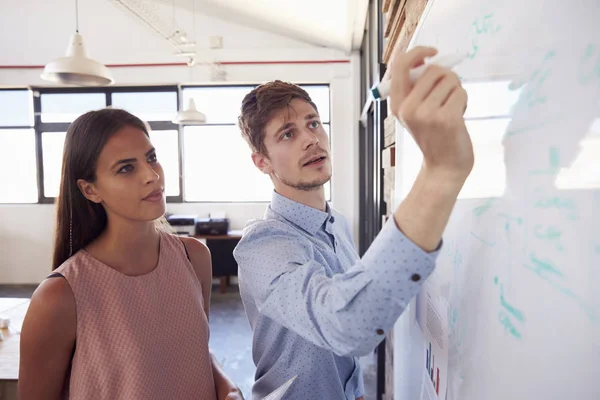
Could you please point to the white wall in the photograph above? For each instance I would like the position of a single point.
(26, 230)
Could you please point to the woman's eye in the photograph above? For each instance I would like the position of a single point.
(287, 135)
(152, 158)
(315, 124)
(125, 168)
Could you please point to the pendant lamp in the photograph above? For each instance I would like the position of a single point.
(77, 68)
(190, 116)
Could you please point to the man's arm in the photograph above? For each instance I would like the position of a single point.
(432, 110)
(348, 313)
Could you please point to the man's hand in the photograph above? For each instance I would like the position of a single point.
(432, 110)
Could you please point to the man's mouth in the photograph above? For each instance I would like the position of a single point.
(314, 161)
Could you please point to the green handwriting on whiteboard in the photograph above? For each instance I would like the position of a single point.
(484, 26)
(487, 243)
(589, 69)
(533, 93)
(509, 220)
(510, 311)
(556, 202)
(480, 210)
(546, 270)
(553, 160)
(598, 249)
(508, 326)
(510, 308)
(550, 234)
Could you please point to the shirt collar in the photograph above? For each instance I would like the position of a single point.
(308, 218)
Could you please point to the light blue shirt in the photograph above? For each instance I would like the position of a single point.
(313, 304)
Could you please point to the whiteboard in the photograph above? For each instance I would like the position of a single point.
(520, 265)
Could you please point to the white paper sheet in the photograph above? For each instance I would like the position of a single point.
(432, 317)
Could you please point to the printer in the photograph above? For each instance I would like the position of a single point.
(183, 224)
(212, 226)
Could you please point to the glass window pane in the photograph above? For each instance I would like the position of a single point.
(148, 106)
(218, 167)
(167, 150)
(18, 170)
(320, 96)
(66, 107)
(52, 153)
(220, 104)
(16, 108)
(490, 99)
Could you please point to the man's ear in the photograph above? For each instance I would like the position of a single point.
(89, 191)
(262, 162)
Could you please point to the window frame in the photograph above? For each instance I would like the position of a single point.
(108, 91)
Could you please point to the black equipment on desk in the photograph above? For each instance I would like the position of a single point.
(183, 224)
(212, 226)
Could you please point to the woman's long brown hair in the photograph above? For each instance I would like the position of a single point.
(78, 220)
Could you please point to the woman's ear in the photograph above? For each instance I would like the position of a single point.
(89, 191)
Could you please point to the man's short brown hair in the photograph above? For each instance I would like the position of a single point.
(259, 106)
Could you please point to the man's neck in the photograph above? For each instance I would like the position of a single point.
(311, 198)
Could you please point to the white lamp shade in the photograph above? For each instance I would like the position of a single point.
(190, 116)
(77, 68)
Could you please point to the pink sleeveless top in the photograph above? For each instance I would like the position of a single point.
(143, 337)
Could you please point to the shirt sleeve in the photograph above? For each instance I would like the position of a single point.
(348, 313)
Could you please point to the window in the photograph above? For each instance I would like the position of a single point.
(219, 168)
(66, 107)
(217, 161)
(52, 150)
(148, 106)
(166, 144)
(18, 171)
(206, 163)
(18, 174)
(156, 106)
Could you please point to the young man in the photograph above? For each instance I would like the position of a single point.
(313, 304)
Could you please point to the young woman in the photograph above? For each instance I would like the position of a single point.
(125, 313)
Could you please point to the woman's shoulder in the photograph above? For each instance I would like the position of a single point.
(199, 256)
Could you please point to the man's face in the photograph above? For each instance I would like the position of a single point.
(298, 149)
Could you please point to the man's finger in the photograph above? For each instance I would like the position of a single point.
(402, 64)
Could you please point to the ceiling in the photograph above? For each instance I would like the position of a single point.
(256, 30)
(337, 24)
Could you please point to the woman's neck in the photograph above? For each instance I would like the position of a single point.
(131, 248)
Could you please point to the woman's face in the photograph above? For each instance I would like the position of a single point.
(129, 179)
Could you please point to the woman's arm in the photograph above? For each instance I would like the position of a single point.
(201, 261)
(47, 341)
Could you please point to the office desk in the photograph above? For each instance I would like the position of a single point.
(15, 310)
(221, 250)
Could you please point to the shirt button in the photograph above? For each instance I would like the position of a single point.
(380, 331)
(415, 277)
